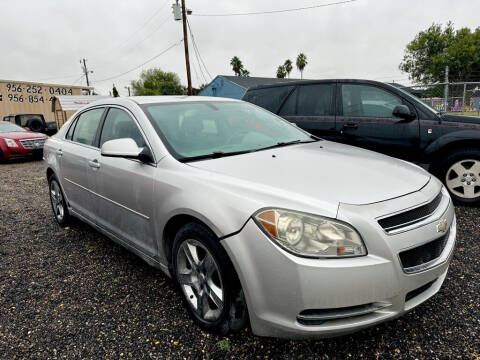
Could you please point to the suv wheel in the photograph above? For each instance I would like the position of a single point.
(57, 200)
(208, 281)
(460, 171)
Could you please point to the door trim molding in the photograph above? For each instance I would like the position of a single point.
(109, 200)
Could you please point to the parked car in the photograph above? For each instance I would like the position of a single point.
(244, 210)
(16, 142)
(383, 118)
(33, 122)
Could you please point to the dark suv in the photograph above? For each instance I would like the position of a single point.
(33, 122)
(383, 118)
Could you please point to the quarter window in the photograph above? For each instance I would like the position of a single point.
(268, 98)
(86, 127)
(368, 101)
(118, 125)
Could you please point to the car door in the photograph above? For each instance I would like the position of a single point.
(124, 187)
(75, 154)
(365, 119)
(312, 108)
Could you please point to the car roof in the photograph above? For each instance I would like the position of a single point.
(311, 82)
(158, 99)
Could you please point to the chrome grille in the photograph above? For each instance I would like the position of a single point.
(33, 143)
(411, 216)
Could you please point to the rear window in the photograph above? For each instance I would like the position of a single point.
(268, 98)
(25, 118)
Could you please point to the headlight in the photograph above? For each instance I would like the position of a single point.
(310, 235)
(11, 143)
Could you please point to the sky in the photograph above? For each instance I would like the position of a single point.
(45, 40)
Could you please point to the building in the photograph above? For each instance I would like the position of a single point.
(235, 86)
(23, 97)
(65, 106)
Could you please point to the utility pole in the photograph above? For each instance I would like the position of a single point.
(85, 70)
(128, 88)
(445, 92)
(185, 43)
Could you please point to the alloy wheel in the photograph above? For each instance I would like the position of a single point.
(56, 198)
(200, 279)
(463, 178)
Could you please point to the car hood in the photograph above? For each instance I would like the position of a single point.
(20, 135)
(461, 119)
(324, 171)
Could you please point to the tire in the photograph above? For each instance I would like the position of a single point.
(206, 276)
(2, 159)
(460, 172)
(35, 125)
(57, 201)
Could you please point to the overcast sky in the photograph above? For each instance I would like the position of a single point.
(44, 40)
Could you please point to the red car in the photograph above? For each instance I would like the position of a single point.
(16, 142)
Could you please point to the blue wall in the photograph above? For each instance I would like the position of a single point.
(222, 87)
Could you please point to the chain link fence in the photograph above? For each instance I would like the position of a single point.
(462, 98)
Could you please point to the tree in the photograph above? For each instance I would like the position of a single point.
(301, 63)
(281, 72)
(115, 91)
(237, 67)
(157, 82)
(288, 67)
(427, 55)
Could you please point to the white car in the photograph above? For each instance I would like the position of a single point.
(246, 211)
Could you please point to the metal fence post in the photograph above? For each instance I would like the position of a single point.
(464, 106)
(445, 92)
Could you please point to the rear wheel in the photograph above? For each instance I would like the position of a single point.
(208, 281)
(58, 202)
(460, 171)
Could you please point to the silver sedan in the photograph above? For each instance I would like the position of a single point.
(246, 211)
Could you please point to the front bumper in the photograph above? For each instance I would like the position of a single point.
(282, 290)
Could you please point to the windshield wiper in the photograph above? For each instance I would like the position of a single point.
(286, 143)
(213, 155)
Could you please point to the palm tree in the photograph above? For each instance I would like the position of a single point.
(301, 63)
(245, 73)
(288, 66)
(281, 72)
(237, 65)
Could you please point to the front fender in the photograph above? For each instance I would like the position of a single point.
(453, 138)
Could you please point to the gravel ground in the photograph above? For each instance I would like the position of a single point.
(72, 293)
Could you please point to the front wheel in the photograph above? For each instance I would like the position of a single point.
(208, 281)
(460, 171)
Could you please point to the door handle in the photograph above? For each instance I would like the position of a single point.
(59, 152)
(350, 125)
(94, 164)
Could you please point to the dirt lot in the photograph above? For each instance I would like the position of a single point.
(72, 293)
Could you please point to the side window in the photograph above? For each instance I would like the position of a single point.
(268, 98)
(368, 101)
(310, 100)
(86, 128)
(118, 125)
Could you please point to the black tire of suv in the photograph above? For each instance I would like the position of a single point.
(35, 125)
(440, 170)
(234, 315)
(66, 216)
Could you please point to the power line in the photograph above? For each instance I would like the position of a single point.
(278, 11)
(195, 47)
(121, 45)
(196, 53)
(146, 62)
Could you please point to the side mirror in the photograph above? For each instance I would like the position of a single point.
(125, 148)
(403, 112)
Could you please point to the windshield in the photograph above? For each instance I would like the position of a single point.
(197, 129)
(6, 127)
(419, 100)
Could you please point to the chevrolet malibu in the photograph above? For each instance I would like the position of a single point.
(254, 219)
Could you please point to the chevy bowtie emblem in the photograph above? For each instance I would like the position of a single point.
(442, 226)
